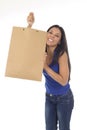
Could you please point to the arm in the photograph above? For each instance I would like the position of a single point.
(63, 75)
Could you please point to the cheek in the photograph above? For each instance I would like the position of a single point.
(57, 41)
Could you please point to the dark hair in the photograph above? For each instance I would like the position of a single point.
(61, 48)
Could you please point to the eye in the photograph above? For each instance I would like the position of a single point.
(56, 35)
(50, 32)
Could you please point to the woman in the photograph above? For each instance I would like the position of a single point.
(59, 98)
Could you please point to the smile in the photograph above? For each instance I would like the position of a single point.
(50, 40)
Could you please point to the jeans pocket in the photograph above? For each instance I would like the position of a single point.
(67, 99)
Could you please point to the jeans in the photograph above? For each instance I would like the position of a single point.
(58, 110)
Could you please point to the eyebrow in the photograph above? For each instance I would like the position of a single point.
(56, 33)
(52, 31)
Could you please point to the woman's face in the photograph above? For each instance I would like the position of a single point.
(53, 37)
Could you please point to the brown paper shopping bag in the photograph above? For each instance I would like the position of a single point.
(25, 57)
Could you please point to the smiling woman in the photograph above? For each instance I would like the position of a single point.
(59, 98)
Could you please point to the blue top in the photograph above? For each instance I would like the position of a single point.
(53, 87)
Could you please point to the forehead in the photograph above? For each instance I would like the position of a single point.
(55, 29)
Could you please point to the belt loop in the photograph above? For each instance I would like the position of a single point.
(50, 95)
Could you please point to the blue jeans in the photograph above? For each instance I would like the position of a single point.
(58, 110)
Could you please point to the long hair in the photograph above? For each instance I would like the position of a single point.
(61, 48)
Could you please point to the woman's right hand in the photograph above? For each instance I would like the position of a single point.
(30, 19)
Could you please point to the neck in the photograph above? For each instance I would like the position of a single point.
(50, 50)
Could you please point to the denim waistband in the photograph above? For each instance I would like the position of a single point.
(51, 95)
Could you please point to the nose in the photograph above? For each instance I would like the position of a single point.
(52, 35)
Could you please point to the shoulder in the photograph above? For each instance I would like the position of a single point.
(63, 57)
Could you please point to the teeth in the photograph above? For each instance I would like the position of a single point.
(50, 40)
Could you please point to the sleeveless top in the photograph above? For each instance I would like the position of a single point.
(52, 86)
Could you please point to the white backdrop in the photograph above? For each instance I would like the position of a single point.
(22, 101)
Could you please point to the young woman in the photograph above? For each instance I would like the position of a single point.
(59, 97)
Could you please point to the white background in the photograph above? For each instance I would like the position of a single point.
(22, 101)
